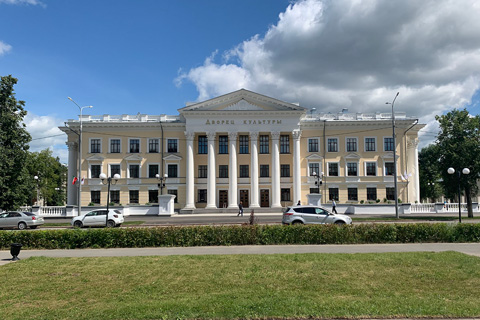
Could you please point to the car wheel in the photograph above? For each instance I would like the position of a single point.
(297, 222)
(339, 222)
(110, 224)
(33, 227)
(77, 224)
(22, 226)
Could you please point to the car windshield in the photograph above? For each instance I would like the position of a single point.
(286, 209)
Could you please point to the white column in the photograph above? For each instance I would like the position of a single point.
(276, 171)
(211, 186)
(232, 191)
(190, 202)
(72, 194)
(254, 171)
(297, 186)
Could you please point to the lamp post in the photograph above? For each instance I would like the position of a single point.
(108, 181)
(318, 179)
(38, 195)
(465, 171)
(162, 180)
(394, 157)
(80, 157)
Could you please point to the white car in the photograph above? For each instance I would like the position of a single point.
(97, 218)
(312, 215)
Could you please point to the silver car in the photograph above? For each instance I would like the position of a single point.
(312, 215)
(97, 218)
(20, 220)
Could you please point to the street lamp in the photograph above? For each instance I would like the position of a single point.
(394, 157)
(38, 195)
(465, 171)
(318, 179)
(80, 157)
(162, 180)
(108, 181)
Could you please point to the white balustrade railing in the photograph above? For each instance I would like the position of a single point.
(52, 211)
(453, 207)
(422, 207)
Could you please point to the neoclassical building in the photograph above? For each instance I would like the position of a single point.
(244, 146)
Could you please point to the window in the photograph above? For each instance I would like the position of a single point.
(114, 169)
(115, 196)
(202, 171)
(264, 171)
(223, 144)
(95, 197)
(172, 170)
(153, 196)
(202, 195)
(202, 145)
(333, 169)
(115, 145)
(285, 170)
(351, 144)
(332, 144)
(314, 190)
(223, 171)
(284, 144)
(172, 145)
(152, 171)
(243, 144)
(153, 146)
(313, 167)
(390, 193)
(95, 170)
(370, 144)
(333, 194)
(352, 169)
(244, 171)
(389, 168)
(175, 193)
(264, 145)
(388, 144)
(285, 195)
(353, 194)
(135, 145)
(95, 146)
(371, 194)
(133, 196)
(313, 145)
(371, 169)
(134, 170)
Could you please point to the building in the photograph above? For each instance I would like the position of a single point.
(244, 146)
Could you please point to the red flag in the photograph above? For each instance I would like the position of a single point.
(74, 180)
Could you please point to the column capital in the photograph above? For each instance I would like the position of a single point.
(275, 135)
(232, 136)
(254, 135)
(211, 135)
(190, 135)
(296, 134)
(71, 145)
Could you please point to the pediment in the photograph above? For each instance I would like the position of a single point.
(314, 157)
(133, 157)
(172, 157)
(242, 100)
(352, 155)
(95, 157)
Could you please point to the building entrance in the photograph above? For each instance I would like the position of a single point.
(264, 198)
(244, 198)
(223, 198)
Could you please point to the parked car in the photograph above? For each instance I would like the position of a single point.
(312, 215)
(20, 220)
(96, 218)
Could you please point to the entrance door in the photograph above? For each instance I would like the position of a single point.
(264, 198)
(223, 198)
(244, 198)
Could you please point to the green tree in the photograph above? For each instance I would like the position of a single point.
(14, 140)
(429, 165)
(458, 147)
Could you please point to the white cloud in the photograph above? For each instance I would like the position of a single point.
(4, 48)
(27, 2)
(357, 54)
(45, 134)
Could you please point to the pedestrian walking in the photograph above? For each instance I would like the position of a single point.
(334, 205)
(240, 209)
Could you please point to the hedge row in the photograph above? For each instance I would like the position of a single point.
(240, 235)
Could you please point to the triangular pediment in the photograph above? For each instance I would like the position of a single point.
(242, 100)
(172, 157)
(352, 156)
(314, 157)
(133, 157)
(95, 157)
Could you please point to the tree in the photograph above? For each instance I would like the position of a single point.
(458, 147)
(430, 186)
(14, 140)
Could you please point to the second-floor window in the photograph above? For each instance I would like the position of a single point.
(172, 145)
(244, 171)
(153, 146)
(115, 146)
(351, 144)
(114, 169)
(95, 146)
(152, 170)
(285, 170)
(264, 170)
(202, 171)
(370, 144)
(371, 169)
(202, 145)
(223, 171)
(223, 144)
(388, 144)
(134, 170)
(313, 145)
(134, 145)
(389, 168)
(313, 168)
(284, 144)
(243, 144)
(172, 171)
(333, 169)
(95, 170)
(264, 145)
(332, 144)
(352, 168)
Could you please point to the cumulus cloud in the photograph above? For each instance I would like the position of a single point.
(46, 135)
(357, 54)
(27, 2)
(4, 48)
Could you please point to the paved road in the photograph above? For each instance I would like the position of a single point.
(467, 248)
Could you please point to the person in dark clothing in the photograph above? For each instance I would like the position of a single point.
(334, 205)
(240, 209)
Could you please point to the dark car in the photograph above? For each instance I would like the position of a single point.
(20, 220)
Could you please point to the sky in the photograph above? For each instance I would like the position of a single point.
(154, 56)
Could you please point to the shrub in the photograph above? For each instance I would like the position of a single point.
(362, 201)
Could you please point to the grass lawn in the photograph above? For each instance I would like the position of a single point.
(242, 286)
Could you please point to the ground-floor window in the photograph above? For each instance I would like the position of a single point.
(333, 194)
(133, 196)
(115, 196)
(202, 195)
(285, 195)
(95, 197)
(390, 193)
(175, 193)
(372, 194)
(153, 196)
(353, 194)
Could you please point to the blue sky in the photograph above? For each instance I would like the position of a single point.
(149, 56)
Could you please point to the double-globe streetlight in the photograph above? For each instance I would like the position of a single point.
(80, 157)
(108, 181)
(162, 180)
(465, 171)
(394, 157)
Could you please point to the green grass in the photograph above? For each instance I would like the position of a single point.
(243, 286)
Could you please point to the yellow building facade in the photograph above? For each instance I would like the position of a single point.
(244, 147)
